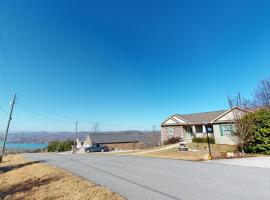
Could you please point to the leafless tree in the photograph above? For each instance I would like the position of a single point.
(243, 130)
(262, 94)
(243, 124)
(95, 127)
(239, 101)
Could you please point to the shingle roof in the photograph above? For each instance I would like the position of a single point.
(114, 138)
(204, 117)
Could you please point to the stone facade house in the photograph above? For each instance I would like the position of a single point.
(219, 124)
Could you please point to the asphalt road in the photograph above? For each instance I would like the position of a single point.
(139, 178)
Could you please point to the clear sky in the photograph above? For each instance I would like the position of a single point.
(127, 64)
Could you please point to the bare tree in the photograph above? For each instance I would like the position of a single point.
(239, 101)
(243, 130)
(95, 127)
(262, 94)
(243, 123)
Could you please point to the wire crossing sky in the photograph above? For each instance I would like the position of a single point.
(127, 64)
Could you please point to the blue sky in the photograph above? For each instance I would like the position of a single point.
(128, 64)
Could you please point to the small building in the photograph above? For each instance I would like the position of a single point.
(79, 143)
(122, 141)
(219, 124)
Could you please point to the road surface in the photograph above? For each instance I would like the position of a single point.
(140, 178)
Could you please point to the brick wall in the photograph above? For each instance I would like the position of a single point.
(177, 132)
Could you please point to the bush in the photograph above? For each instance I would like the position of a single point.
(203, 140)
(260, 142)
(172, 140)
(57, 146)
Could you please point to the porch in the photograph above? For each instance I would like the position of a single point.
(196, 130)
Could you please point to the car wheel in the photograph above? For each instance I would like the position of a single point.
(88, 151)
(102, 150)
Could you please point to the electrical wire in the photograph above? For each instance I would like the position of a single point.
(3, 110)
(67, 119)
(6, 79)
(43, 115)
(2, 43)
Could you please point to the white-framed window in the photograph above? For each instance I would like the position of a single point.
(199, 128)
(226, 129)
(170, 131)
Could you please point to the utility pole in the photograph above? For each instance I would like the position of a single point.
(7, 129)
(20, 141)
(153, 136)
(208, 142)
(76, 130)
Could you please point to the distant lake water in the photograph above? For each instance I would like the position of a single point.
(25, 146)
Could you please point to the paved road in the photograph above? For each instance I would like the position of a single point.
(139, 178)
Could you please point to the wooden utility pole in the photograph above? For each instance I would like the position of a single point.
(76, 136)
(7, 129)
(153, 136)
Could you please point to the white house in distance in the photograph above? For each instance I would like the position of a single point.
(219, 124)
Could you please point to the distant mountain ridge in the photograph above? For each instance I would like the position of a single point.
(46, 137)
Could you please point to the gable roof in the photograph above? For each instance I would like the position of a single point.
(230, 110)
(114, 138)
(204, 117)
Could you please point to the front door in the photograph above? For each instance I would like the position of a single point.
(187, 133)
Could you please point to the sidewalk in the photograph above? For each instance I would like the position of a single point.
(263, 162)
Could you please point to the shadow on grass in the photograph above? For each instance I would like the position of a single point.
(26, 186)
(12, 167)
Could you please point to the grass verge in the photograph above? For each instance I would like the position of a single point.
(24, 179)
(199, 151)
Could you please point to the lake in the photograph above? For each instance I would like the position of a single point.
(25, 146)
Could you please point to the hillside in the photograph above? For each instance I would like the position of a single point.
(148, 138)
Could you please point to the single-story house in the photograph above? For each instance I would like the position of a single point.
(118, 141)
(220, 125)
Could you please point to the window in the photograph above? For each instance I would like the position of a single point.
(170, 131)
(226, 129)
(199, 129)
(209, 128)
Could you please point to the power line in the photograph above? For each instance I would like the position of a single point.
(43, 115)
(6, 59)
(8, 66)
(6, 79)
(3, 110)
(47, 113)
(50, 115)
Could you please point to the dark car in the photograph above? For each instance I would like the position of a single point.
(96, 148)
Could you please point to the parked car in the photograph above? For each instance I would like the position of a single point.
(96, 148)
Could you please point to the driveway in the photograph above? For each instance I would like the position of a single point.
(263, 162)
(140, 178)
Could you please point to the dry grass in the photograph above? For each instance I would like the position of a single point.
(216, 148)
(200, 152)
(175, 154)
(24, 179)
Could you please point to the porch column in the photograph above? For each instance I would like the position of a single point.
(182, 132)
(204, 129)
(193, 130)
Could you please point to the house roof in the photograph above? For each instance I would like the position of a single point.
(200, 118)
(114, 138)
